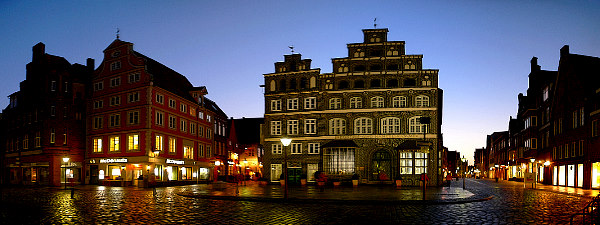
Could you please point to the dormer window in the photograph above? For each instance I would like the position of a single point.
(115, 65)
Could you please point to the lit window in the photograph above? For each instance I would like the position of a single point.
(97, 142)
(420, 162)
(406, 163)
(158, 143)
(133, 142)
(188, 152)
(172, 145)
(338, 160)
(113, 144)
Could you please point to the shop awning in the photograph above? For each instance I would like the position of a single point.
(340, 143)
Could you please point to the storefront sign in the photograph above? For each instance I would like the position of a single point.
(179, 162)
(230, 162)
(123, 160)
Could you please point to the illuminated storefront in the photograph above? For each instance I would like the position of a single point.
(596, 175)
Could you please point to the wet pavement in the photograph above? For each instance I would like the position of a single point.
(510, 203)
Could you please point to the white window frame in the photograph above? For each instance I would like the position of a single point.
(292, 104)
(355, 102)
(314, 148)
(275, 127)
(310, 103)
(276, 149)
(276, 105)
(296, 148)
(377, 102)
(390, 125)
(310, 126)
(422, 101)
(415, 126)
(399, 102)
(363, 125)
(292, 127)
(337, 126)
(335, 103)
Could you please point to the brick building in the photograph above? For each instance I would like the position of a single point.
(363, 118)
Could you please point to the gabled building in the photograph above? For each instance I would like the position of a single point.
(45, 122)
(248, 133)
(147, 121)
(378, 115)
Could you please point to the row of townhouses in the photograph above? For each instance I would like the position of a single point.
(554, 138)
(131, 119)
(377, 115)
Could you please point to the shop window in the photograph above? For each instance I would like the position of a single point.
(339, 161)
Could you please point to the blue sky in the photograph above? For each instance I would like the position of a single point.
(482, 48)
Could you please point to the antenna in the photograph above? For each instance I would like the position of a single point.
(375, 23)
(292, 48)
(118, 32)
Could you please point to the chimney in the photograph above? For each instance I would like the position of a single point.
(38, 51)
(534, 65)
(564, 50)
(90, 63)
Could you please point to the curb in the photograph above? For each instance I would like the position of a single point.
(336, 201)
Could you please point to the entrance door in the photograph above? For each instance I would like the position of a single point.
(294, 175)
(93, 174)
(381, 166)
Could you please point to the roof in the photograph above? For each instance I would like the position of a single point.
(165, 77)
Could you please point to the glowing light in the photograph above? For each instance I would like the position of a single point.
(286, 141)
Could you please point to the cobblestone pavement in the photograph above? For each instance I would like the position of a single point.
(511, 204)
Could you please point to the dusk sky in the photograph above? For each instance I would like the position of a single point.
(482, 48)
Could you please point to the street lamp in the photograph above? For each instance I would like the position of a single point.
(66, 159)
(463, 159)
(286, 142)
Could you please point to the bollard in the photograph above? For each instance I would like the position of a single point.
(154, 191)
(72, 193)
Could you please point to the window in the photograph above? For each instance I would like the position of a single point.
(172, 103)
(338, 160)
(160, 98)
(276, 105)
(66, 87)
(363, 126)
(201, 151)
(355, 103)
(53, 85)
(97, 122)
(192, 128)
(575, 119)
(209, 151)
(335, 103)
(275, 127)
(98, 104)
(292, 104)
(52, 136)
(390, 125)
(133, 142)
(134, 77)
(545, 93)
(276, 148)
(97, 145)
(276, 171)
(26, 142)
(134, 117)
(159, 118)
(420, 162)
(38, 140)
(377, 102)
(172, 142)
(406, 163)
(113, 144)
(172, 122)
(337, 126)
(183, 125)
(115, 100)
(98, 86)
(580, 148)
(183, 108)
(399, 102)
(115, 120)
(310, 103)
(134, 97)
(292, 127)
(52, 110)
(422, 101)
(296, 148)
(310, 126)
(115, 65)
(313, 148)
(114, 82)
(188, 152)
(581, 116)
(158, 145)
(530, 122)
(200, 131)
(415, 125)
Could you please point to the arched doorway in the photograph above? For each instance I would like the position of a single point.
(381, 165)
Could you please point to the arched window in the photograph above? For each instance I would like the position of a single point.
(343, 85)
(392, 83)
(335, 103)
(422, 101)
(415, 126)
(359, 84)
(337, 126)
(390, 125)
(377, 102)
(399, 102)
(313, 82)
(272, 88)
(363, 125)
(355, 103)
(375, 83)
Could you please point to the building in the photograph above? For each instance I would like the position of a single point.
(378, 115)
(147, 121)
(45, 122)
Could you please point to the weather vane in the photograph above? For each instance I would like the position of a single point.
(375, 23)
(118, 33)
(292, 48)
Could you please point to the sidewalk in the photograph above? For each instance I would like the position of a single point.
(363, 194)
(579, 192)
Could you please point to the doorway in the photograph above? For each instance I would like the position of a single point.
(94, 174)
(294, 175)
(381, 166)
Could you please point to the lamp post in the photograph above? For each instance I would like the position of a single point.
(534, 165)
(463, 159)
(65, 159)
(286, 142)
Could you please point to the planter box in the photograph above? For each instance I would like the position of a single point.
(354, 182)
(398, 183)
(337, 183)
(321, 183)
(303, 182)
(282, 182)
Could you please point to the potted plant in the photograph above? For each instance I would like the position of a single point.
(399, 180)
(355, 179)
(336, 182)
(303, 179)
(282, 179)
(321, 178)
